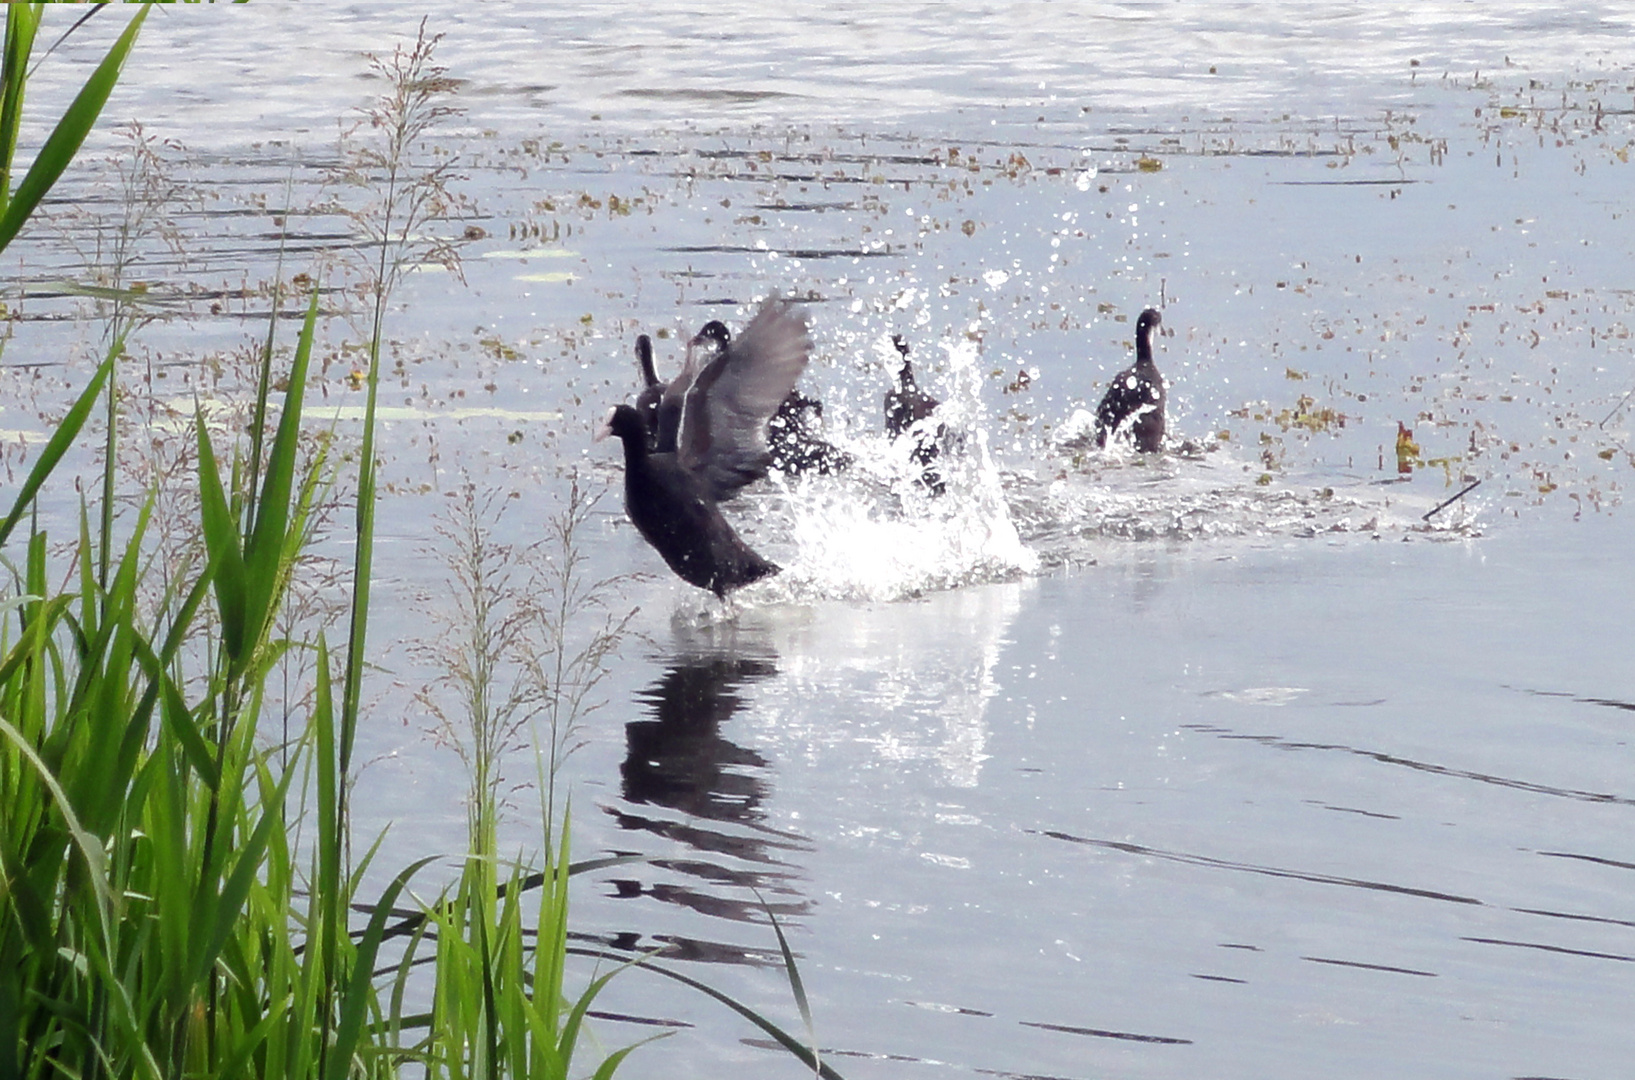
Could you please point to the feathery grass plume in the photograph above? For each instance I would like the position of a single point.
(522, 652)
(122, 223)
(407, 187)
(145, 199)
(481, 654)
(583, 629)
(523, 649)
(405, 181)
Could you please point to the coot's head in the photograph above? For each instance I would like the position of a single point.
(625, 422)
(1147, 323)
(706, 345)
(712, 338)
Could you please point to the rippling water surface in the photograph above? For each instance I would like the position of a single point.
(1251, 759)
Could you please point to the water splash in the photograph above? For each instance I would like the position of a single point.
(896, 527)
(881, 532)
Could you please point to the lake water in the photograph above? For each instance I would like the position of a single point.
(1244, 761)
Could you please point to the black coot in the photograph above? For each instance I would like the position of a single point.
(706, 439)
(713, 416)
(1134, 401)
(672, 508)
(906, 405)
(795, 442)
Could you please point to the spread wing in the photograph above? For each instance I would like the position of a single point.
(672, 398)
(723, 432)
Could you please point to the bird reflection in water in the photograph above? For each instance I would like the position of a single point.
(678, 760)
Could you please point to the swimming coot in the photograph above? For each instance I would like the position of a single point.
(906, 405)
(1134, 401)
(794, 440)
(674, 510)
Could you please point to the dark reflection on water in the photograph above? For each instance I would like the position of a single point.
(1609, 703)
(1575, 918)
(1560, 950)
(678, 760)
(1099, 1033)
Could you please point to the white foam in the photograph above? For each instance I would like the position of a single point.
(880, 533)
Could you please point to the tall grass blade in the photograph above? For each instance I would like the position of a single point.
(264, 549)
(91, 853)
(250, 859)
(359, 990)
(782, 1037)
(65, 139)
(793, 973)
(576, 1015)
(32, 644)
(222, 542)
(615, 1059)
(329, 829)
(61, 439)
(238, 1063)
(264, 382)
(179, 724)
(22, 23)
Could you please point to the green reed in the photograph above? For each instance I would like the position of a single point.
(145, 924)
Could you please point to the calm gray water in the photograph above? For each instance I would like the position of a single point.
(1244, 762)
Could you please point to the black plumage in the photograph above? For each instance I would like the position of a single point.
(794, 440)
(652, 391)
(672, 508)
(698, 440)
(714, 414)
(793, 435)
(1134, 401)
(906, 405)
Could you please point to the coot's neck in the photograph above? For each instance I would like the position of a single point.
(668, 423)
(906, 376)
(644, 357)
(1143, 346)
(635, 445)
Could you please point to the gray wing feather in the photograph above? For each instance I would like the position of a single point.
(673, 401)
(724, 419)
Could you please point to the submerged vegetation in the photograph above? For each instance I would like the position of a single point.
(179, 895)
